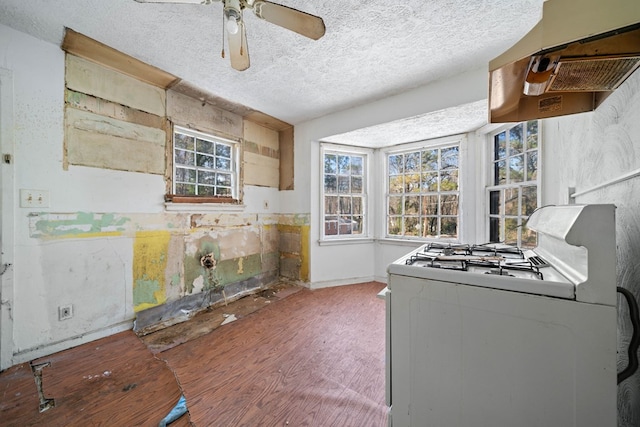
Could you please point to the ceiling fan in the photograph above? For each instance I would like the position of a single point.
(292, 19)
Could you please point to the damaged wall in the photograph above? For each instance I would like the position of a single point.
(105, 242)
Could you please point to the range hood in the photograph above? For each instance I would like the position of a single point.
(577, 55)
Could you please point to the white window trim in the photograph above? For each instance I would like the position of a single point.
(368, 219)
(400, 148)
(489, 132)
(236, 191)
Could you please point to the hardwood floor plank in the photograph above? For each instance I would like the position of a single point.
(314, 359)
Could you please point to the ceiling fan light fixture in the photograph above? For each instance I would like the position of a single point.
(232, 15)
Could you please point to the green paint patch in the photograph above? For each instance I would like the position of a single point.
(144, 292)
(79, 224)
(235, 270)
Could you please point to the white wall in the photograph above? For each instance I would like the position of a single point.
(343, 264)
(590, 152)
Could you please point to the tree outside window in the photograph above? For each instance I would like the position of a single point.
(513, 193)
(423, 193)
(344, 196)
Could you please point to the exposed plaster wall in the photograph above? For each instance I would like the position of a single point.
(588, 150)
(105, 243)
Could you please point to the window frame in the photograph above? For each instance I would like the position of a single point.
(519, 186)
(432, 144)
(367, 220)
(234, 199)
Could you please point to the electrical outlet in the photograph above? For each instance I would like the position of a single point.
(34, 198)
(65, 312)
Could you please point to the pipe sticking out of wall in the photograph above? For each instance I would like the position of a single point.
(621, 178)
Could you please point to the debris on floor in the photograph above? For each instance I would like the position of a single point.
(179, 410)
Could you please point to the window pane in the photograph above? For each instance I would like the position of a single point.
(411, 226)
(430, 160)
(500, 146)
(516, 168)
(223, 191)
(344, 165)
(223, 164)
(449, 157)
(500, 172)
(356, 184)
(224, 179)
(356, 204)
(357, 165)
(205, 146)
(511, 201)
(394, 225)
(205, 161)
(396, 164)
(223, 150)
(183, 141)
(495, 202)
(186, 189)
(494, 230)
(412, 162)
(184, 157)
(412, 205)
(357, 224)
(206, 191)
(449, 227)
(449, 180)
(345, 225)
(532, 166)
(429, 205)
(515, 140)
(331, 205)
(396, 184)
(185, 175)
(395, 205)
(345, 204)
(343, 184)
(331, 226)
(449, 204)
(330, 163)
(330, 184)
(511, 231)
(412, 183)
(532, 134)
(205, 177)
(529, 199)
(430, 181)
(430, 226)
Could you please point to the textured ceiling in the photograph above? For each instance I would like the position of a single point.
(371, 49)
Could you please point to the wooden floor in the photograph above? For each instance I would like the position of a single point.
(314, 358)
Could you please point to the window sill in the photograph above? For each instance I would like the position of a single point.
(203, 207)
(350, 241)
(414, 242)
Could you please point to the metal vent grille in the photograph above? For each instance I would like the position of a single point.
(592, 75)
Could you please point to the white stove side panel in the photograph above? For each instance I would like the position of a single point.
(471, 357)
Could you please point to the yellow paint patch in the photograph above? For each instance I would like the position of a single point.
(240, 269)
(304, 253)
(150, 252)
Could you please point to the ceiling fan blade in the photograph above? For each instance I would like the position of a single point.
(238, 50)
(179, 1)
(292, 19)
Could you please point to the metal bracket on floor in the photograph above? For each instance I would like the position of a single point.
(45, 402)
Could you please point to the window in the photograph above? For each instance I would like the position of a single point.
(344, 193)
(513, 193)
(423, 192)
(204, 166)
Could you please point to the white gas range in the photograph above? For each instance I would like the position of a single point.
(491, 335)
